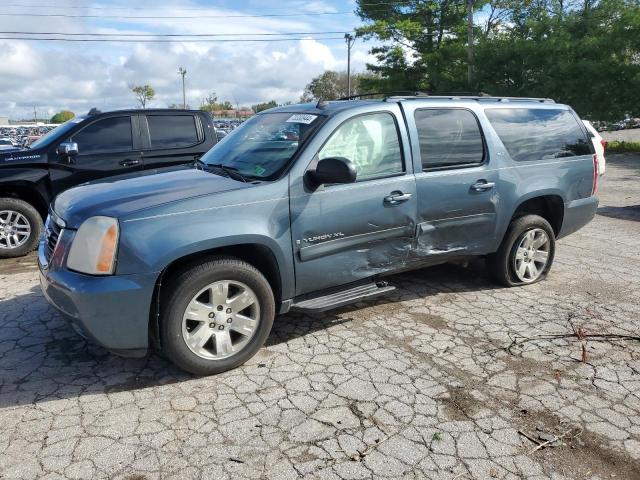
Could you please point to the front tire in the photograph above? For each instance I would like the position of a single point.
(20, 228)
(216, 315)
(526, 253)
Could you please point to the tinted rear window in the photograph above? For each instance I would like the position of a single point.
(448, 138)
(539, 134)
(172, 131)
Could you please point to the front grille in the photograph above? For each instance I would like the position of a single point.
(51, 235)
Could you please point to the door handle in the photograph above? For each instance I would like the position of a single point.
(396, 197)
(482, 186)
(129, 163)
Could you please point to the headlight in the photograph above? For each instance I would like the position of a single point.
(93, 250)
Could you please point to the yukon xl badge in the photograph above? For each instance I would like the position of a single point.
(323, 237)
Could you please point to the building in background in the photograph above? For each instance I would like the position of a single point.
(4, 120)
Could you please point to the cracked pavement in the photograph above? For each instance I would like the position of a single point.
(448, 377)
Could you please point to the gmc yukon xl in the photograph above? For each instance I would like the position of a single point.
(309, 207)
(89, 147)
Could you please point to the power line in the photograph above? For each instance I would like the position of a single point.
(197, 40)
(171, 17)
(399, 3)
(78, 34)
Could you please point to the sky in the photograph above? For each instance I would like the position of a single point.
(52, 76)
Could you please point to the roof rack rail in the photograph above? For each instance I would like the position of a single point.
(410, 94)
(480, 97)
(404, 93)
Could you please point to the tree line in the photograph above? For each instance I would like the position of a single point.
(585, 53)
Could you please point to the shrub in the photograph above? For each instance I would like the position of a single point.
(622, 147)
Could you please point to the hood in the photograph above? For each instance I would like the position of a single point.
(119, 197)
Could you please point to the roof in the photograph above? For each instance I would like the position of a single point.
(333, 106)
(146, 110)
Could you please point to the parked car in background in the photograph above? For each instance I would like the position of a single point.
(91, 147)
(309, 207)
(7, 143)
(599, 144)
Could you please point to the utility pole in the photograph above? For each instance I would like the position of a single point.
(470, 42)
(183, 72)
(350, 39)
(35, 116)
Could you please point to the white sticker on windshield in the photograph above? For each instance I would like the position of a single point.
(302, 118)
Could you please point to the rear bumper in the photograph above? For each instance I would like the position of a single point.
(113, 311)
(577, 214)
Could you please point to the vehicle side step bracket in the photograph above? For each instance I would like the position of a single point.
(342, 297)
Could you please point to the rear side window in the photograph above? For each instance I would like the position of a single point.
(539, 134)
(107, 135)
(172, 131)
(448, 138)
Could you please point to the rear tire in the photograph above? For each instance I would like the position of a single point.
(216, 315)
(526, 253)
(20, 228)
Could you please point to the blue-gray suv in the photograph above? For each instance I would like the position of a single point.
(308, 207)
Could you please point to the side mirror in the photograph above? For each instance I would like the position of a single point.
(68, 149)
(333, 170)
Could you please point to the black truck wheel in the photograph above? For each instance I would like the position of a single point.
(20, 228)
(216, 315)
(526, 253)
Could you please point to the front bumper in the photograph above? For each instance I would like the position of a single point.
(113, 310)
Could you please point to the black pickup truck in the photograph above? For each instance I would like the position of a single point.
(89, 147)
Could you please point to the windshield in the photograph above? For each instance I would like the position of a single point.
(263, 145)
(56, 133)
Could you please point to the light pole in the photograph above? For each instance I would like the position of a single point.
(183, 72)
(350, 39)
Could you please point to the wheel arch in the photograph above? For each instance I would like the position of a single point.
(258, 255)
(28, 192)
(548, 205)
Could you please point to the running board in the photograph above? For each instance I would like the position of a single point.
(342, 297)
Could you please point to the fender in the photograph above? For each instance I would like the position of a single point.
(29, 184)
(151, 245)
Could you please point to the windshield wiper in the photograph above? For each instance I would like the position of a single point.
(231, 172)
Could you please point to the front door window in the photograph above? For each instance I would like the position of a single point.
(370, 142)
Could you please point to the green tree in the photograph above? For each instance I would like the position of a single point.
(143, 93)
(62, 116)
(424, 44)
(332, 85)
(210, 104)
(264, 106)
(585, 54)
(582, 52)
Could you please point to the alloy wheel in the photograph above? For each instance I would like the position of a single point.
(531, 255)
(15, 229)
(221, 319)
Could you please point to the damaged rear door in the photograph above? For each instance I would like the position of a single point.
(344, 233)
(456, 182)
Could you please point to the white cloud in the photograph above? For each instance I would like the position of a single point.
(53, 75)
